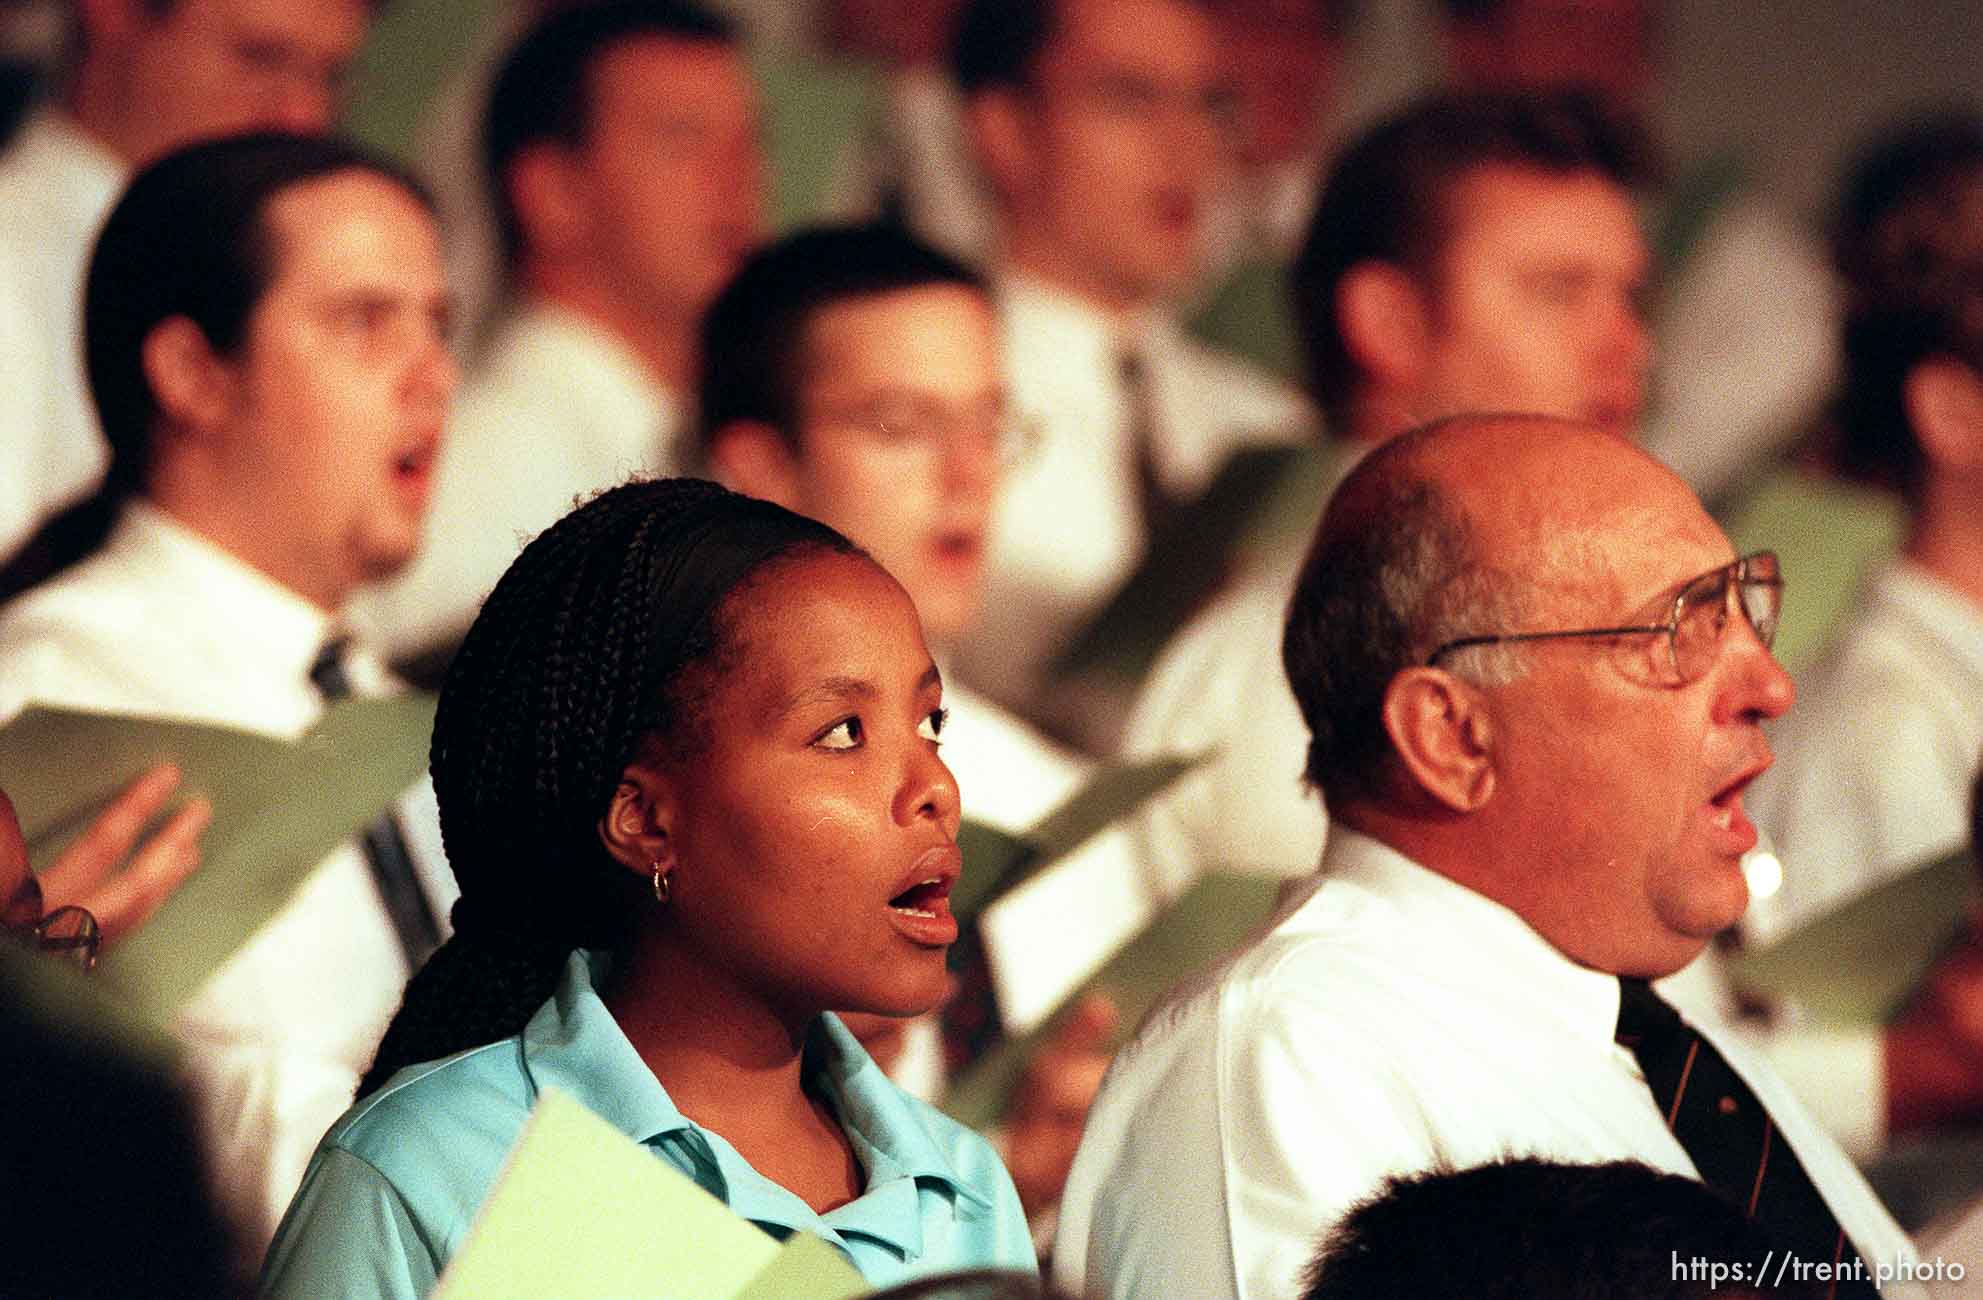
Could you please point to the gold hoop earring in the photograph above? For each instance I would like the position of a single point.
(662, 891)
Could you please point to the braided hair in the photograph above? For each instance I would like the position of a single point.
(579, 657)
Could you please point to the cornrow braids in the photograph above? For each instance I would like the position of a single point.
(580, 656)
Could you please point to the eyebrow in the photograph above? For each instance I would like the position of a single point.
(840, 690)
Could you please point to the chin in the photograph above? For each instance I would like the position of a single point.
(386, 557)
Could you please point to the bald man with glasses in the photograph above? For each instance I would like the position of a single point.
(1534, 676)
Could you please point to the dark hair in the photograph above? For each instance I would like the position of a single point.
(581, 655)
(190, 238)
(1976, 817)
(1914, 277)
(102, 1143)
(1524, 1227)
(1386, 197)
(753, 335)
(543, 92)
(996, 43)
(1391, 548)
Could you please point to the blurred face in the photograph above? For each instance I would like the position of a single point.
(900, 407)
(1607, 45)
(815, 832)
(218, 67)
(1283, 56)
(1629, 782)
(332, 407)
(1534, 305)
(20, 901)
(1115, 148)
(669, 178)
(891, 32)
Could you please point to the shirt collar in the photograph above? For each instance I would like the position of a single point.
(593, 359)
(1473, 939)
(75, 166)
(258, 628)
(573, 1043)
(1063, 322)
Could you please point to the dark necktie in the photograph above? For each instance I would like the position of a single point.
(969, 1019)
(1140, 409)
(384, 845)
(1728, 1135)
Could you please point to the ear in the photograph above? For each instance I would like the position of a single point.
(751, 457)
(1944, 401)
(191, 383)
(996, 123)
(1441, 731)
(546, 191)
(1385, 322)
(637, 824)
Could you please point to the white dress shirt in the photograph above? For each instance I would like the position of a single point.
(1046, 937)
(1391, 1020)
(1220, 689)
(161, 623)
(1746, 347)
(56, 187)
(1876, 763)
(1067, 530)
(558, 411)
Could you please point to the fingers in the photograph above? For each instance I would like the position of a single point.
(95, 854)
(127, 900)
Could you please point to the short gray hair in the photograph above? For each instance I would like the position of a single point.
(1392, 576)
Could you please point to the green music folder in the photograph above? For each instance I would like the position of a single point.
(583, 1212)
(1859, 963)
(279, 808)
(1213, 918)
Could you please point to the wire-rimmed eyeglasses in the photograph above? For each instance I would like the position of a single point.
(912, 423)
(70, 933)
(1694, 627)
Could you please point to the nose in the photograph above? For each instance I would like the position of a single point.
(1629, 337)
(970, 462)
(928, 791)
(432, 373)
(304, 105)
(739, 168)
(1758, 688)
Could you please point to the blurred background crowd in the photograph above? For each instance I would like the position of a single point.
(1071, 315)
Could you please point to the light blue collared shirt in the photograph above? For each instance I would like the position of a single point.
(394, 1186)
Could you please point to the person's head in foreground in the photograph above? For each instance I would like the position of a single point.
(699, 731)
(686, 762)
(689, 781)
(266, 321)
(1532, 1229)
(852, 374)
(1529, 660)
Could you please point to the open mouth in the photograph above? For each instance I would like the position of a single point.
(413, 469)
(414, 463)
(958, 548)
(1726, 817)
(921, 909)
(928, 898)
